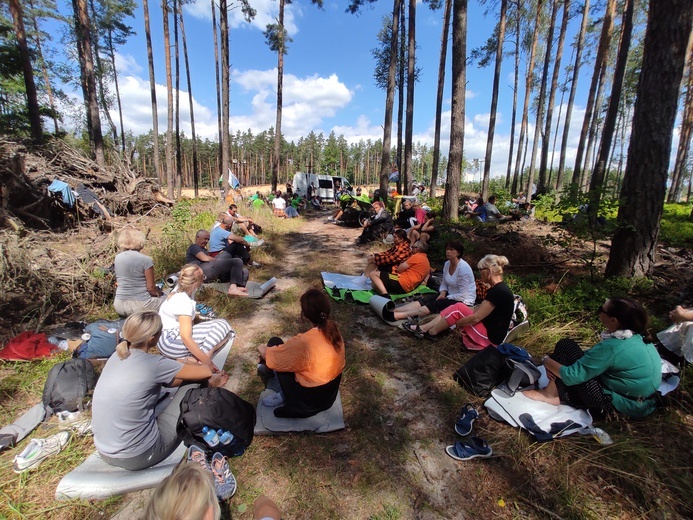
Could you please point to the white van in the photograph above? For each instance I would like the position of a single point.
(324, 184)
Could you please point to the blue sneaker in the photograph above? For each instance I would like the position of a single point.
(468, 450)
(465, 421)
(224, 481)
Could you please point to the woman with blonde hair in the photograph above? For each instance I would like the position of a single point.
(187, 494)
(180, 339)
(134, 272)
(129, 431)
(488, 323)
(308, 366)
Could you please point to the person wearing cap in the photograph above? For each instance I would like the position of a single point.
(408, 276)
(377, 226)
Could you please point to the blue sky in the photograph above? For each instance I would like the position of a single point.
(328, 76)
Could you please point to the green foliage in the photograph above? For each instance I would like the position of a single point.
(676, 227)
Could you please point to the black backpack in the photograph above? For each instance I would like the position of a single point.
(490, 367)
(216, 408)
(68, 385)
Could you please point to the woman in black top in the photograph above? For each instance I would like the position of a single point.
(488, 323)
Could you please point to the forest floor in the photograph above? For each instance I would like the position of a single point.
(399, 400)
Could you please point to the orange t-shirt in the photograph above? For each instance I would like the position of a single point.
(314, 361)
(419, 268)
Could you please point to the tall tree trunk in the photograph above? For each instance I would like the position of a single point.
(100, 76)
(27, 70)
(494, 100)
(411, 73)
(439, 96)
(225, 63)
(280, 94)
(686, 130)
(516, 86)
(44, 69)
(389, 101)
(451, 200)
(195, 168)
(571, 98)
(595, 125)
(86, 65)
(528, 93)
(545, 144)
(179, 166)
(218, 83)
(599, 65)
(542, 99)
(152, 89)
(599, 173)
(633, 248)
(111, 53)
(170, 182)
(402, 53)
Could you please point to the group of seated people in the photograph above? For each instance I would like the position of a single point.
(416, 220)
(620, 374)
(489, 212)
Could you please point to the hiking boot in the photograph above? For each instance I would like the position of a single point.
(40, 449)
(224, 481)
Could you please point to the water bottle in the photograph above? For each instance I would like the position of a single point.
(225, 437)
(210, 436)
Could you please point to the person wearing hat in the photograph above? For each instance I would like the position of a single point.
(377, 226)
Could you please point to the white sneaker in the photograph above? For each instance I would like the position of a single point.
(257, 243)
(40, 449)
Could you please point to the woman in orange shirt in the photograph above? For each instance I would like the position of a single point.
(308, 366)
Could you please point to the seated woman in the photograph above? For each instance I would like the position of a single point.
(128, 432)
(622, 372)
(134, 272)
(423, 231)
(180, 339)
(308, 366)
(458, 285)
(488, 323)
(188, 492)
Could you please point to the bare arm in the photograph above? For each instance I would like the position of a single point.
(402, 267)
(202, 257)
(479, 314)
(151, 285)
(186, 325)
(679, 314)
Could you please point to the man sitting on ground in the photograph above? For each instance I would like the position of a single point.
(407, 216)
(389, 260)
(492, 213)
(240, 223)
(377, 226)
(409, 274)
(222, 239)
(222, 268)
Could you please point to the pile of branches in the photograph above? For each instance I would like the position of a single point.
(42, 285)
(26, 171)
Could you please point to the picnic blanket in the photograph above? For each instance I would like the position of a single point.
(350, 289)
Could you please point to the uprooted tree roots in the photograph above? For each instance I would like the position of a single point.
(42, 286)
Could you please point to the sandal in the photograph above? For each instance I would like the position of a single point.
(414, 328)
(474, 448)
(463, 424)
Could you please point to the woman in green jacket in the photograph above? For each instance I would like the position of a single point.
(622, 372)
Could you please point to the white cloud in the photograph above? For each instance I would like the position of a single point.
(267, 12)
(127, 64)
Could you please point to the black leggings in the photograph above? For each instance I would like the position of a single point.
(588, 395)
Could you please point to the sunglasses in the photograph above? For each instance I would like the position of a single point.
(602, 310)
